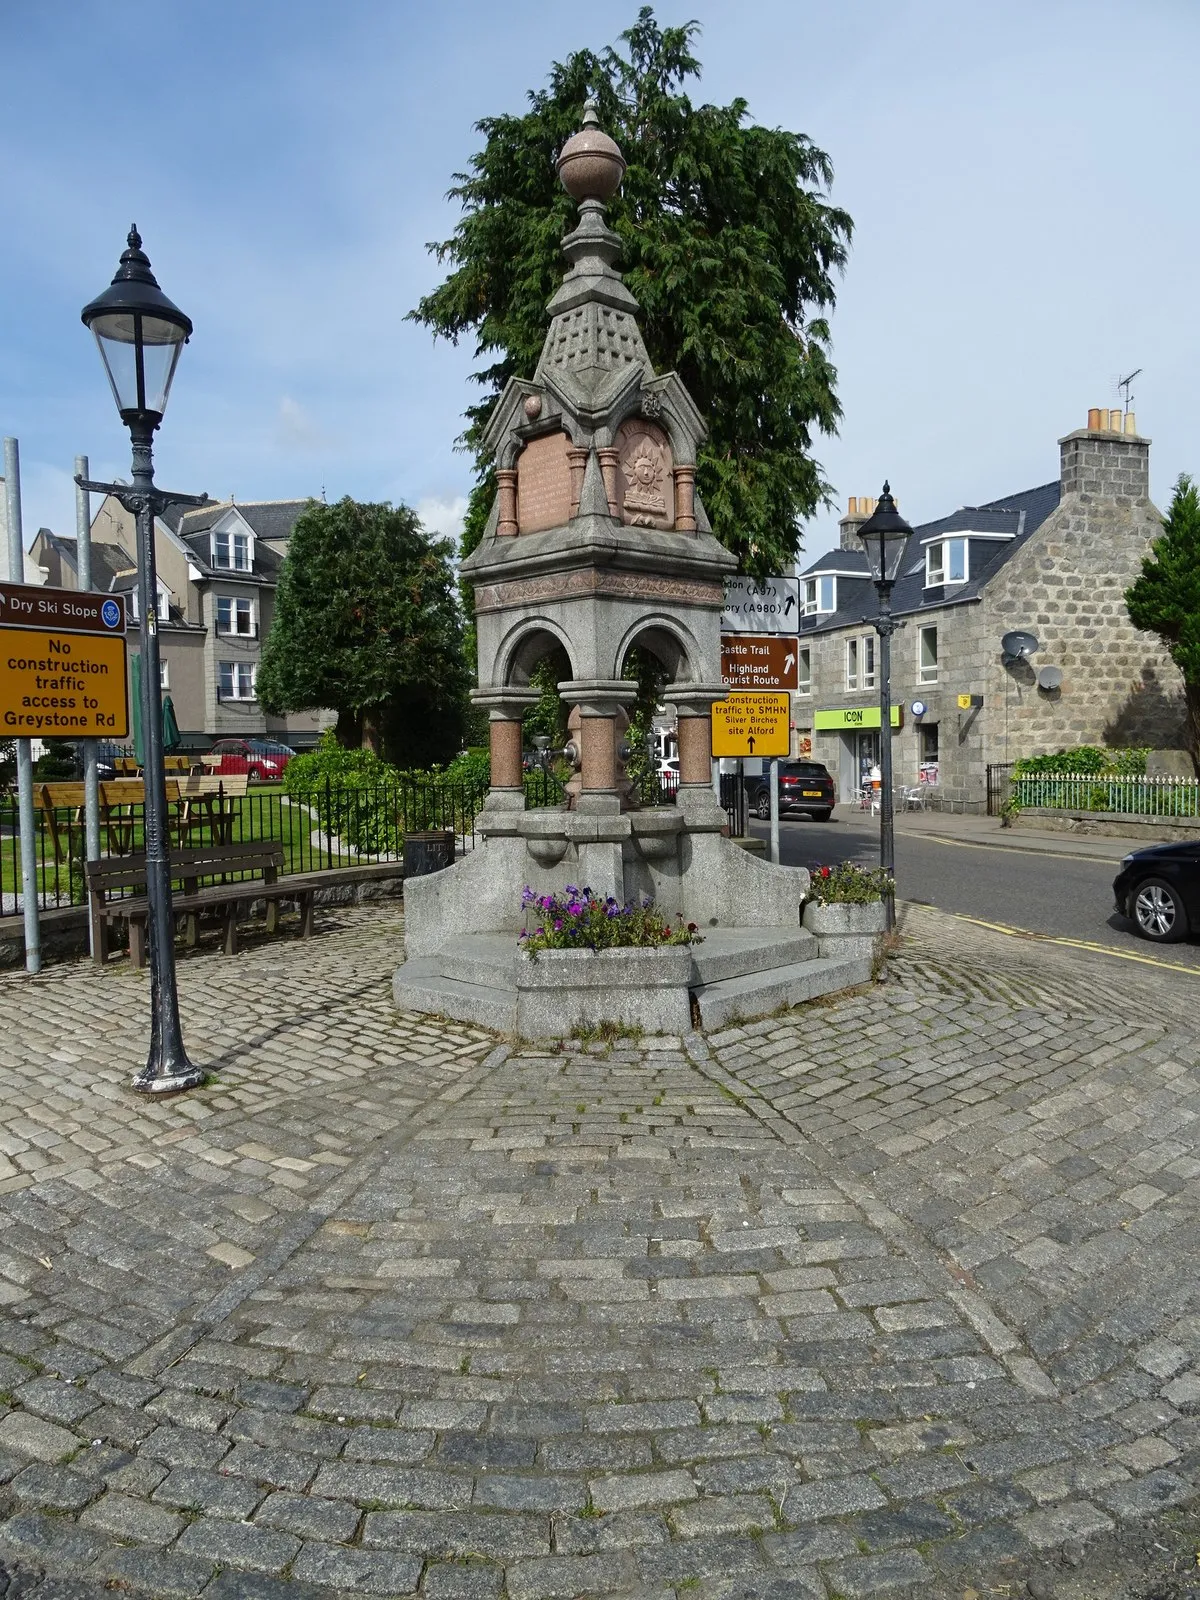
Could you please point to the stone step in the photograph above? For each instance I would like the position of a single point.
(481, 958)
(419, 985)
(757, 994)
(739, 952)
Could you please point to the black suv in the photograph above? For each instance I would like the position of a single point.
(803, 786)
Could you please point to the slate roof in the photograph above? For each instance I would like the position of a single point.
(108, 560)
(269, 519)
(272, 522)
(1017, 514)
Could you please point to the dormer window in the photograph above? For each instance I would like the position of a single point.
(820, 595)
(233, 551)
(134, 603)
(946, 561)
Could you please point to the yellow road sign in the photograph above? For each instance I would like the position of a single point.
(752, 725)
(62, 685)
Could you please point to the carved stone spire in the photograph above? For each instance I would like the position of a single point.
(593, 338)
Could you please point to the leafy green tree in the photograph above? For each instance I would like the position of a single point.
(367, 624)
(729, 244)
(1165, 599)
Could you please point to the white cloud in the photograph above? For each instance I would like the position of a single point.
(443, 515)
(295, 429)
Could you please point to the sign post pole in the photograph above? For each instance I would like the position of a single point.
(775, 809)
(91, 785)
(29, 879)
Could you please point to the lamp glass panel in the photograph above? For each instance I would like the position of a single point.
(159, 361)
(161, 341)
(120, 364)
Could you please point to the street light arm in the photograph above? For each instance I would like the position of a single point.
(135, 500)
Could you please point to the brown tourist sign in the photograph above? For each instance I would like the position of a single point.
(762, 661)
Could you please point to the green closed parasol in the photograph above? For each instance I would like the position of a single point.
(171, 739)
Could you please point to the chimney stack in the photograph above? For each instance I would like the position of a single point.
(858, 509)
(1107, 460)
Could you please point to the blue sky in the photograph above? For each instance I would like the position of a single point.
(1022, 179)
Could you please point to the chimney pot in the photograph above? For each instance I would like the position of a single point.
(1094, 423)
(852, 506)
(1130, 424)
(1115, 422)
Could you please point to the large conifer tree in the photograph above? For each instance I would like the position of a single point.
(729, 244)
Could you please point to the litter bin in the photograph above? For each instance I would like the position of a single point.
(428, 852)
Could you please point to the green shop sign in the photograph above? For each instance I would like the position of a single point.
(853, 717)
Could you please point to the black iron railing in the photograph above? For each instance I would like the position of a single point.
(326, 826)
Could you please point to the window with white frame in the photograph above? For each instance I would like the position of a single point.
(860, 662)
(927, 655)
(820, 594)
(237, 679)
(235, 615)
(232, 551)
(164, 677)
(804, 672)
(946, 561)
(135, 608)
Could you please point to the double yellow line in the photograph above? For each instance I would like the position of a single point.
(1073, 944)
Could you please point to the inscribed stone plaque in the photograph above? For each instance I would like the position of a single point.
(544, 484)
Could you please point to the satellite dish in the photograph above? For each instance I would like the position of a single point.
(1018, 645)
(1050, 678)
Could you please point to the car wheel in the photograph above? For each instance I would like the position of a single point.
(822, 816)
(1158, 911)
(254, 774)
(762, 805)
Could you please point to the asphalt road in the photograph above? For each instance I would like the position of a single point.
(1058, 895)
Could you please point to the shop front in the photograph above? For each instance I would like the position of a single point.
(847, 740)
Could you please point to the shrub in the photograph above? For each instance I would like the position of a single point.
(848, 885)
(1086, 759)
(577, 919)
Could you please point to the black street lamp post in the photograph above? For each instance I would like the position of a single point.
(140, 334)
(885, 534)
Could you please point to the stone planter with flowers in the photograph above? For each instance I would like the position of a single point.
(587, 960)
(847, 909)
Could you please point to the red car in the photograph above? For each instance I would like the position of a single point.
(262, 760)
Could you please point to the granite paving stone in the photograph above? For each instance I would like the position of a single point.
(875, 1296)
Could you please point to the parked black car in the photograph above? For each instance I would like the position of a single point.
(1158, 889)
(803, 786)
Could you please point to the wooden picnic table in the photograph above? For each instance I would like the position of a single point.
(204, 801)
(117, 797)
(201, 801)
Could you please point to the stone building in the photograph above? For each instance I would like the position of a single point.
(1053, 561)
(218, 567)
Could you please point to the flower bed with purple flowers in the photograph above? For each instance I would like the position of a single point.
(577, 919)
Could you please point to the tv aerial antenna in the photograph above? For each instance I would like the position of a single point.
(1123, 383)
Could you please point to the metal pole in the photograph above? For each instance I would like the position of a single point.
(29, 876)
(167, 1066)
(91, 786)
(887, 830)
(774, 784)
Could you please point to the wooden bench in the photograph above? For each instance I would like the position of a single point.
(108, 875)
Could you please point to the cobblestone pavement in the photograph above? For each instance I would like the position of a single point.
(894, 1294)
